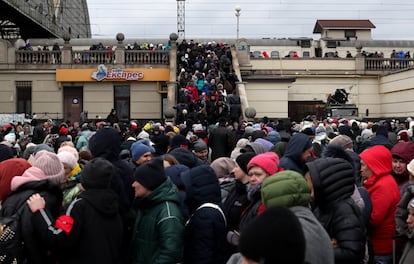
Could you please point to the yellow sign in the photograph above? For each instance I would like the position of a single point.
(112, 75)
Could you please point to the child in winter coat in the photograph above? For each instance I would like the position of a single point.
(91, 230)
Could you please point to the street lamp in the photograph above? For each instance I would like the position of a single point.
(237, 10)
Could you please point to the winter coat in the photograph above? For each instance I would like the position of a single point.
(385, 196)
(289, 189)
(35, 251)
(401, 213)
(159, 227)
(205, 231)
(253, 209)
(333, 184)
(96, 234)
(291, 159)
(105, 143)
(408, 253)
(221, 142)
(174, 173)
(401, 226)
(235, 204)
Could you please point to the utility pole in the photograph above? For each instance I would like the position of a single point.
(181, 19)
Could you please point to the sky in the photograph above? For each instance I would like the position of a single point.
(393, 19)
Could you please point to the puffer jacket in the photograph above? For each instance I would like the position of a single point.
(35, 251)
(205, 231)
(385, 196)
(289, 188)
(159, 227)
(333, 184)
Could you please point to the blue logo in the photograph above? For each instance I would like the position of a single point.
(101, 73)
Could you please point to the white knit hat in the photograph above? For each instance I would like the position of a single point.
(51, 165)
(71, 150)
(67, 158)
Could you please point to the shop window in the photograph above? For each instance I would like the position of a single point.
(24, 97)
(122, 99)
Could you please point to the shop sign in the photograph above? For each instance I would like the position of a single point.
(115, 74)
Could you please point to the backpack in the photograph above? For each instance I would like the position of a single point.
(11, 243)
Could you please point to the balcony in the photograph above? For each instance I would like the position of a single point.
(33, 59)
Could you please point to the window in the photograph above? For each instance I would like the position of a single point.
(24, 97)
(305, 43)
(257, 54)
(274, 54)
(122, 98)
(331, 44)
(306, 54)
(350, 34)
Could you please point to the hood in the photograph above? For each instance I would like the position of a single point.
(296, 145)
(104, 201)
(201, 186)
(286, 188)
(174, 173)
(186, 157)
(378, 159)
(332, 179)
(105, 143)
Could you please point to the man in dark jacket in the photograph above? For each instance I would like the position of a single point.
(91, 230)
(205, 231)
(298, 152)
(159, 226)
(220, 141)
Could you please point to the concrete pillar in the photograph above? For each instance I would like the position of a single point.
(66, 50)
(172, 83)
(120, 50)
(240, 86)
(359, 59)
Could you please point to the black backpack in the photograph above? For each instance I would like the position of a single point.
(11, 242)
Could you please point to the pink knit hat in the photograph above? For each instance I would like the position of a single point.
(30, 175)
(268, 161)
(51, 165)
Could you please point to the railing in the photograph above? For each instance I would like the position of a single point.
(379, 64)
(146, 57)
(38, 57)
(93, 57)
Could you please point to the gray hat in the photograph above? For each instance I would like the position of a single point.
(342, 141)
(199, 145)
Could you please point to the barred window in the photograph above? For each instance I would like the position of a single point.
(24, 97)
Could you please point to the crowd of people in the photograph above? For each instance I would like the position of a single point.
(342, 191)
(210, 187)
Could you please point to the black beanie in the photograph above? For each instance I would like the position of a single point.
(151, 174)
(5, 152)
(96, 174)
(275, 236)
(243, 159)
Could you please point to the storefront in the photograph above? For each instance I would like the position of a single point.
(136, 93)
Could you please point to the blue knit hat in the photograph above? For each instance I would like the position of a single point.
(141, 147)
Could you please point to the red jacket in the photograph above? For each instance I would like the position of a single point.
(385, 196)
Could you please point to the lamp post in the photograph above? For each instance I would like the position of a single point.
(237, 10)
